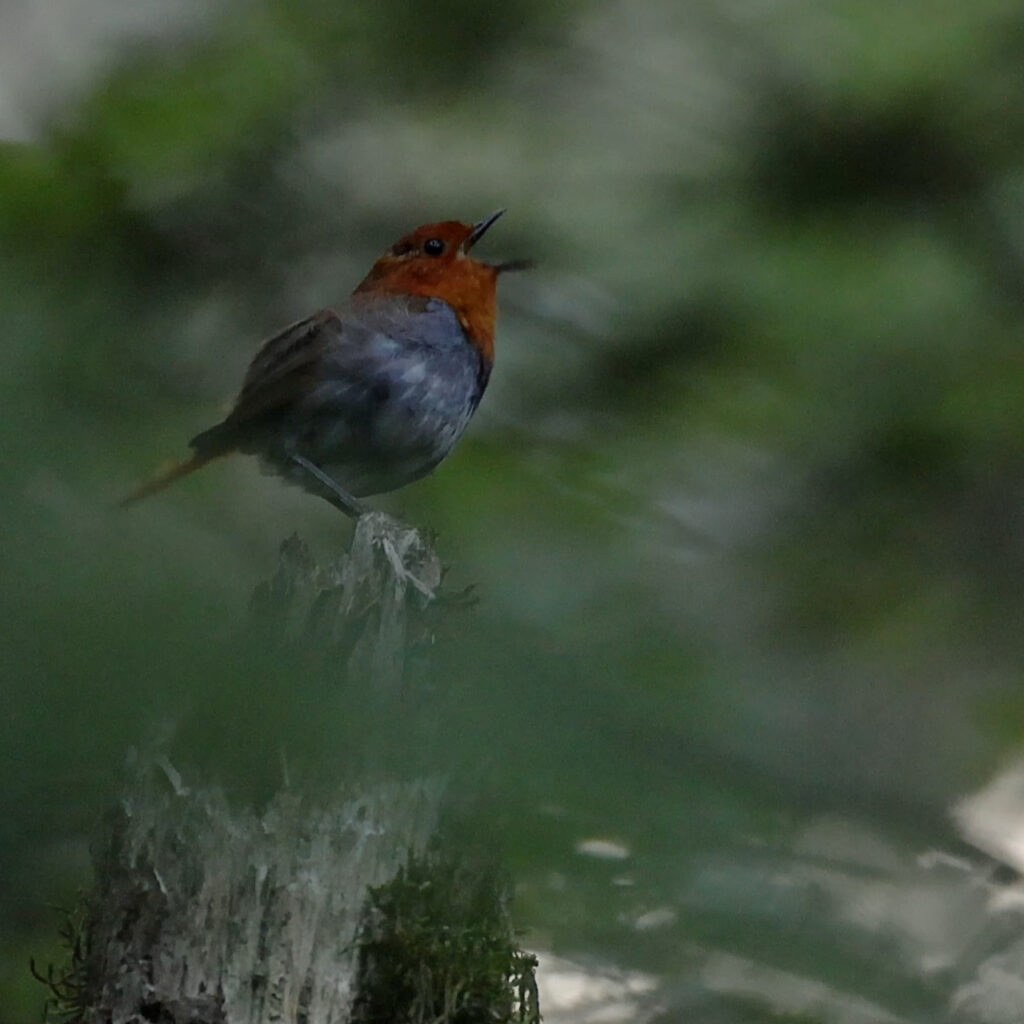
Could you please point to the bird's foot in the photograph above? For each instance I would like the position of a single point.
(401, 545)
(409, 557)
(395, 558)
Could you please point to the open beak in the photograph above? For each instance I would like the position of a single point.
(479, 230)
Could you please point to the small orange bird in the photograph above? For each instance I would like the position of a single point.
(372, 395)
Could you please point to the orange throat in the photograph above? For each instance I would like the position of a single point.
(468, 286)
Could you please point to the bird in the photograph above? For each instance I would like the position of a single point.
(371, 395)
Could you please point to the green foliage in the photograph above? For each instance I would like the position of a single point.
(436, 946)
(67, 983)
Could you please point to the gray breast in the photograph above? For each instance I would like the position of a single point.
(395, 397)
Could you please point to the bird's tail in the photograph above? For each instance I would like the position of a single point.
(168, 475)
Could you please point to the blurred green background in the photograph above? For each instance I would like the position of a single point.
(744, 504)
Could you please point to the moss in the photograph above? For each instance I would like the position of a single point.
(436, 945)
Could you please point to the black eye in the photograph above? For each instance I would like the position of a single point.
(433, 247)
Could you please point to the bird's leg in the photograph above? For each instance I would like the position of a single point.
(336, 494)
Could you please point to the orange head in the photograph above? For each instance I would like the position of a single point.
(434, 261)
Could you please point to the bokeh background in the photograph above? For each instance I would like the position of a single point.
(740, 705)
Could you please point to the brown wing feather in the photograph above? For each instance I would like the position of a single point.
(280, 371)
(294, 346)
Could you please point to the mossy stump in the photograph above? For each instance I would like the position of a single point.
(347, 907)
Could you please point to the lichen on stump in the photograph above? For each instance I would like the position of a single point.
(205, 913)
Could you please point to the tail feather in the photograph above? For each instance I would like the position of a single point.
(168, 475)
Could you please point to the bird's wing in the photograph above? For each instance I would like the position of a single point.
(285, 361)
(288, 366)
(279, 373)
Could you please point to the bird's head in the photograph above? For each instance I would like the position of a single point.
(434, 261)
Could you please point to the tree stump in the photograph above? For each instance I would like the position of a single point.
(350, 906)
